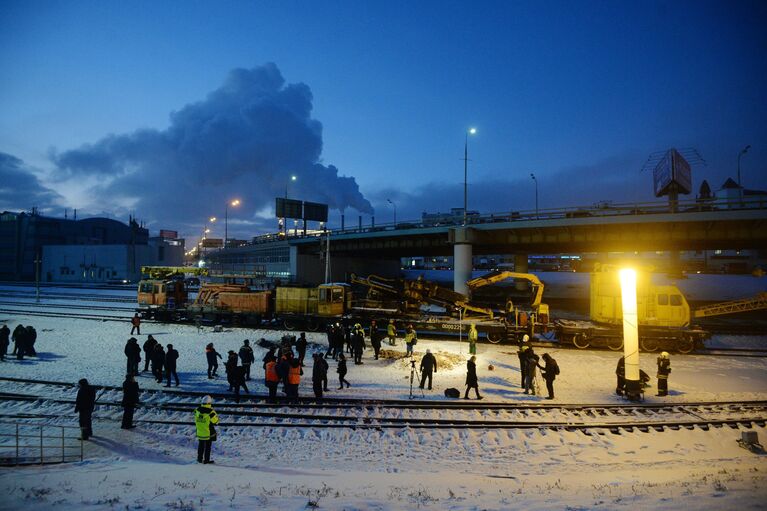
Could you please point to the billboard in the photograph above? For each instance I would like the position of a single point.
(212, 243)
(314, 211)
(289, 208)
(164, 233)
(674, 170)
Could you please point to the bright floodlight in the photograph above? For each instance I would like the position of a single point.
(292, 178)
(472, 131)
(628, 278)
(212, 219)
(235, 202)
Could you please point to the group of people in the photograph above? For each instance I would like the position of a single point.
(529, 363)
(23, 338)
(664, 369)
(163, 362)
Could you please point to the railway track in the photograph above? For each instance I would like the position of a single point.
(68, 296)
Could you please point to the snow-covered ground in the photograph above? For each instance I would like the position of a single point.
(153, 466)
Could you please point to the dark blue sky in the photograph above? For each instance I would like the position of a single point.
(578, 92)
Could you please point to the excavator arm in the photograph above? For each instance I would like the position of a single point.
(499, 276)
(163, 272)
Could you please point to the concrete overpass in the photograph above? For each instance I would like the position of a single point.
(695, 226)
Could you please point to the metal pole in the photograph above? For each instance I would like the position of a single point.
(327, 259)
(226, 224)
(465, 177)
(37, 278)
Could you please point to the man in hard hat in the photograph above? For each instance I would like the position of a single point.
(523, 346)
(473, 336)
(204, 418)
(664, 368)
(391, 332)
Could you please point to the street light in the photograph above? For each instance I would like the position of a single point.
(471, 131)
(395, 211)
(292, 178)
(536, 194)
(740, 188)
(233, 203)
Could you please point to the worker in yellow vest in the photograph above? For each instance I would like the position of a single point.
(473, 335)
(204, 418)
(391, 332)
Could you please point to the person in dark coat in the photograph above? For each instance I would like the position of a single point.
(212, 356)
(5, 341)
(620, 373)
(428, 366)
(341, 370)
(135, 324)
(331, 333)
(29, 345)
(319, 375)
(158, 361)
(130, 400)
(283, 369)
(170, 364)
(301, 344)
(270, 356)
(471, 377)
(18, 338)
(358, 343)
(84, 405)
(246, 357)
(133, 354)
(149, 345)
(375, 338)
(550, 372)
(664, 369)
(531, 365)
(238, 380)
(522, 355)
(326, 367)
(231, 368)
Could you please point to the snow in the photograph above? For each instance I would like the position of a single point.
(153, 466)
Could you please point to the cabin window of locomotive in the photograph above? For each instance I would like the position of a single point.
(146, 288)
(324, 295)
(338, 295)
(156, 289)
(676, 300)
(662, 299)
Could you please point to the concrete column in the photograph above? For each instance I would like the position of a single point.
(520, 266)
(462, 266)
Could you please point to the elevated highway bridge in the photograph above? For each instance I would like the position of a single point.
(618, 228)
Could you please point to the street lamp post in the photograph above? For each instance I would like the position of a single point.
(536, 194)
(740, 187)
(471, 131)
(395, 211)
(233, 203)
(292, 178)
(285, 220)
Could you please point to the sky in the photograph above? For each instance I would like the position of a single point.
(167, 110)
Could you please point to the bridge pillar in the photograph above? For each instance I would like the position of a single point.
(520, 266)
(462, 266)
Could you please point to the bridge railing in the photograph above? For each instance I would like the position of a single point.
(38, 444)
(601, 209)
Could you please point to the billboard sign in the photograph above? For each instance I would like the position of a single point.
(212, 243)
(172, 235)
(672, 170)
(316, 212)
(289, 208)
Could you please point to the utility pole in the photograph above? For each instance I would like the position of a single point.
(740, 187)
(327, 258)
(471, 131)
(536, 194)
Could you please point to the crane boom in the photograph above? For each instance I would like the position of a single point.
(748, 304)
(163, 272)
(499, 276)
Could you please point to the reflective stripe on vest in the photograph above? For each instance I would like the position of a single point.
(271, 372)
(294, 375)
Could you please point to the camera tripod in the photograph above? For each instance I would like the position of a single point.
(413, 373)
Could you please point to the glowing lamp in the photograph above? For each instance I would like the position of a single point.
(628, 278)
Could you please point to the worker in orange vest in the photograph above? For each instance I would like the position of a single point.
(294, 379)
(272, 379)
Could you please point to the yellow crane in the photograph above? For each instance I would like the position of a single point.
(717, 309)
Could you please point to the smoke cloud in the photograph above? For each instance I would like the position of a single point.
(20, 189)
(244, 140)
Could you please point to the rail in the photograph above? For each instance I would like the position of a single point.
(34, 444)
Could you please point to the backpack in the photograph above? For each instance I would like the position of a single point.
(556, 366)
(452, 392)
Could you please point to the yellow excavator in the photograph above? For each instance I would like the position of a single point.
(164, 287)
(540, 310)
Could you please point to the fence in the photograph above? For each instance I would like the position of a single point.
(38, 444)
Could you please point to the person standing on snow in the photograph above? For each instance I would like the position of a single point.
(531, 363)
(246, 357)
(5, 341)
(136, 322)
(664, 369)
(204, 419)
(410, 339)
(522, 357)
(158, 361)
(375, 338)
(341, 370)
(428, 366)
(319, 375)
(550, 372)
(272, 380)
(130, 400)
(473, 336)
(212, 355)
(301, 344)
(391, 332)
(471, 377)
(170, 365)
(84, 405)
(149, 345)
(358, 343)
(133, 354)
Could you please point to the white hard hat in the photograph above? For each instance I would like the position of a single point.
(664, 354)
(207, 400)
(525, 338)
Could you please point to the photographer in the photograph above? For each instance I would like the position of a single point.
(428, 366)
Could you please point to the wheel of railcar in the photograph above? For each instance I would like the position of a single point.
(686, 344)
(649, 344)
(494, 337)
(615, 343)
(289, 324)
(581, 341)
(313, 325)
